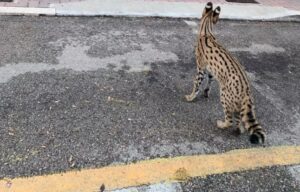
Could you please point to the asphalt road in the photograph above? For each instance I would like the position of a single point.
(84, 92)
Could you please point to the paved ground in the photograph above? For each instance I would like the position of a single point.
(89, 92)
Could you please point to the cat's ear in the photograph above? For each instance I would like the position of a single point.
(216, 14)
(208, 7)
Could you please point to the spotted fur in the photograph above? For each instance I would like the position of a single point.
(215, 61)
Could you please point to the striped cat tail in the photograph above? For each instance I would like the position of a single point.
(257, 133)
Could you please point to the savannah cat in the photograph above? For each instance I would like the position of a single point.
(215, 61)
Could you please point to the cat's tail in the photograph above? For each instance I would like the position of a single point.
(257, 133)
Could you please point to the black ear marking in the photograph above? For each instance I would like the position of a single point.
(217, 11)
(209, 6)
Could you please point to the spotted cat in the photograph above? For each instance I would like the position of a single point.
(214, 60)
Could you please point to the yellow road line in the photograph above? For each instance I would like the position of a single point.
(154, 171)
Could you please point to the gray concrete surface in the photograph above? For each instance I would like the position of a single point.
(261, 10)
(89, 92)
(176, 9)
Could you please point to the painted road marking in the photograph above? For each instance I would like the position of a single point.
(154, 171)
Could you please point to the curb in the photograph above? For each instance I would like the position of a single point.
(171, 9)
(27, 11)
(230, 12)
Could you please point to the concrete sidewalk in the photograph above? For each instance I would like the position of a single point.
(262, 9)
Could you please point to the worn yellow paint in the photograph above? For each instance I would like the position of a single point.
(153, 171)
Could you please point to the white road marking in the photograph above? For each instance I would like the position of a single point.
(160, 187)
